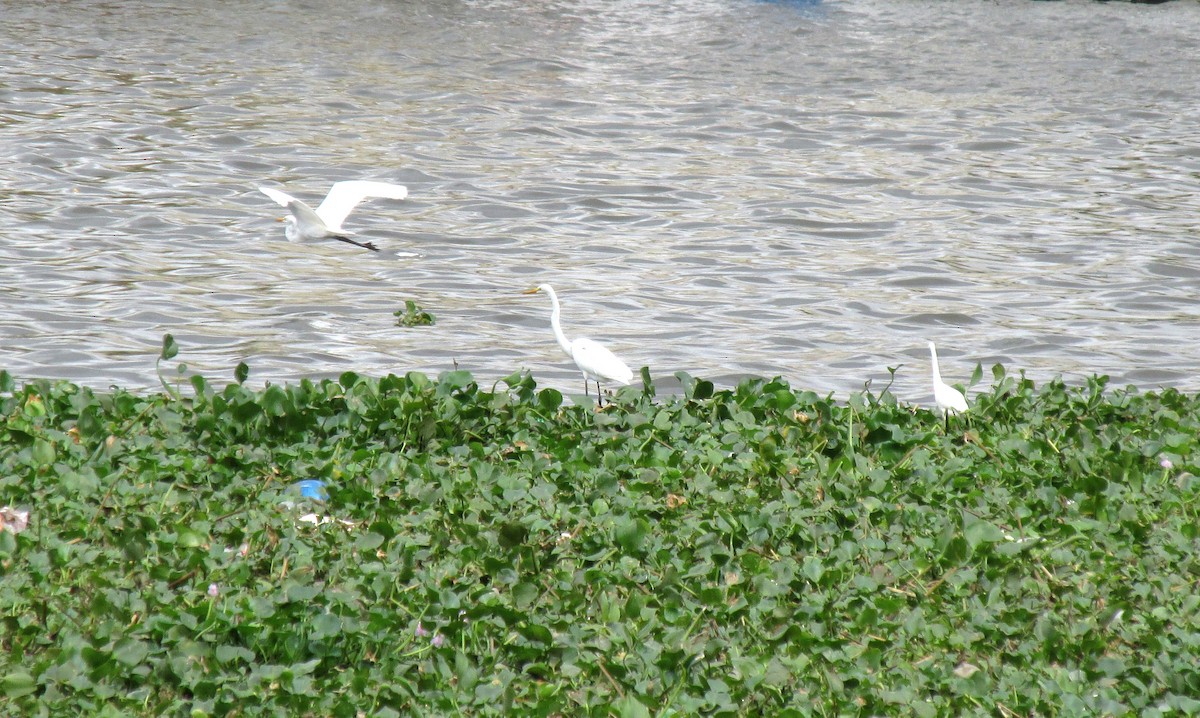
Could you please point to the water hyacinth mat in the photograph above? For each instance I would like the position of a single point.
(410, 546)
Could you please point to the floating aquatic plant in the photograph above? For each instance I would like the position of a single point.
(412, 315)
(754, 550)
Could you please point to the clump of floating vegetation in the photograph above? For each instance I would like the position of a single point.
(412, 315)
(757, 550)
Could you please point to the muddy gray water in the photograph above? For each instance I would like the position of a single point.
(725, 187)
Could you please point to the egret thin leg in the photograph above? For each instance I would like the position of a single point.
(365, 245)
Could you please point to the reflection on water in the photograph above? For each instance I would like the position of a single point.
(720, 186)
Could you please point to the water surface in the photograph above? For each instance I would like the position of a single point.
(726, 187)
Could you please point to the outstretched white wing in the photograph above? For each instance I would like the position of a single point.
(280, 198)
(598, 362)
(345, 196)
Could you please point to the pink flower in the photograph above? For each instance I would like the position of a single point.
(1166, 464)
(214, 590)
(438, 641)
(421, 630)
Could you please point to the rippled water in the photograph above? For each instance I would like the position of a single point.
(726, 187)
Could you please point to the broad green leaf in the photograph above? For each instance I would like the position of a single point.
(524, 594)
(630, 533)
(977, 531)
(189, 537)
(549, 400)
(130, 651)
(630, 707)
(18, 684)
(274, 401)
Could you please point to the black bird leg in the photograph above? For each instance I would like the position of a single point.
(364, 245)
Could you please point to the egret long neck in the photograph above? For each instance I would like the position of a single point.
(937, 375)
(555, 325)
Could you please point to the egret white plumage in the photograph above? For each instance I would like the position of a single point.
(948, 399)
(593, 359)
(305, 223)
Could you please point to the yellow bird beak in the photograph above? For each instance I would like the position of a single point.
(281, 219)
(535, 290)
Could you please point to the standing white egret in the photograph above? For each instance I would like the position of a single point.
(305, 223)
(949, 399)
(593, 359)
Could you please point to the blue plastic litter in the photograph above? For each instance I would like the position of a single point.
(313, 489)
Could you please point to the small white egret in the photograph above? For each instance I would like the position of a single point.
(305, 223)
(594, 360)
(949, 399)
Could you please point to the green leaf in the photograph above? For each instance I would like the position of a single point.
(647, 382)
(169, 348)
(274, 401)
(813, 568)
(513, 534)
(369, 541)
(241, 373)
(465, 672)
(43, 453)
(524, 594)
(89, 424)
(18, 684)
(302, 593)
(459, 379)
(777, 674)
(535, 632)
(231, 654)
(977, 531)
(630, 533)
(549, 400)
(190, 537)
(304, 668)
(130, 651)
(630, 707)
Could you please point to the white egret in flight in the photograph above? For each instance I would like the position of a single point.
(305, 223)
(949, 399)
(593, 359)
